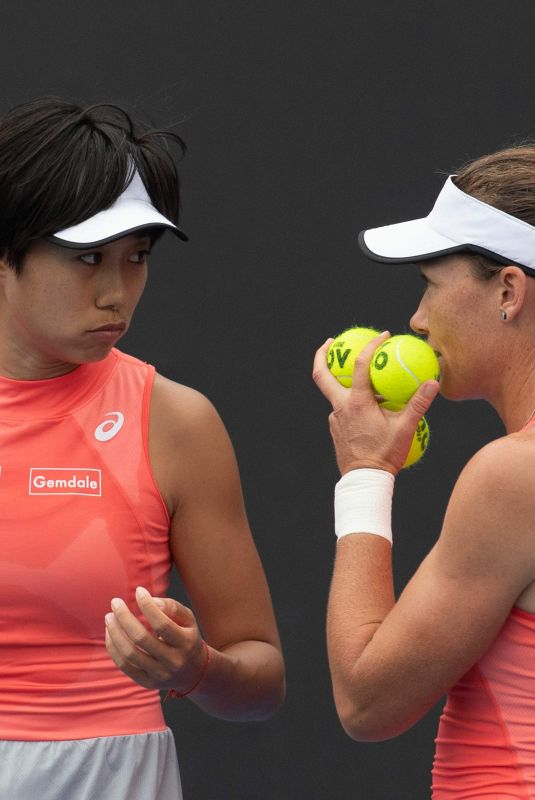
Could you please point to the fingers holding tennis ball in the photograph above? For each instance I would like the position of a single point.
(345, 350)
(398, 367)
(420, 440)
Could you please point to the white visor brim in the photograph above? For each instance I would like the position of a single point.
(131, 212)
(458, 222)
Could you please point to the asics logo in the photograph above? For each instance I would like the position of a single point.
(110, 427)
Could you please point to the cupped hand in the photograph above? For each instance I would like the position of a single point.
(364, 434)
(169, 655)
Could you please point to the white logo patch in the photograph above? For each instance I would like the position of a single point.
(65, 480)
(110, 427)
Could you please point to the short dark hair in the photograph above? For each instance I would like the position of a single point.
(60, 163)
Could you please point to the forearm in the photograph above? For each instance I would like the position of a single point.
(361, 596)
(243, 682)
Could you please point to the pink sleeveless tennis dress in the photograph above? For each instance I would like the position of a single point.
(485, 746)
(81, 522)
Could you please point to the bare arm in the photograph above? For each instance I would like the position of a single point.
(195, 467)
(391, 661)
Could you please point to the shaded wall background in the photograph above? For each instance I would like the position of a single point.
(305, 122)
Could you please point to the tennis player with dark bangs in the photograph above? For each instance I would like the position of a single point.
(110, 474)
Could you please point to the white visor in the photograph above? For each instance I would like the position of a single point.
(131, 212)
(458, 222)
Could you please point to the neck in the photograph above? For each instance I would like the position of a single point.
(20, 364)
(514, 397)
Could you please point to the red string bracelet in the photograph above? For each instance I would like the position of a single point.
(176, 693)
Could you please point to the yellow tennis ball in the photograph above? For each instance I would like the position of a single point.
(420, 440)
(400, 365)
(419, 443)
(344, 351)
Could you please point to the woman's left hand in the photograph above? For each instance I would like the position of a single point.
(172, 655)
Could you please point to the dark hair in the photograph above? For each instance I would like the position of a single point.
(506, 180)
(60, 163)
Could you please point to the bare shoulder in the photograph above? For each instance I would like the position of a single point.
(489, 520)
(502, 470)
(180, 409)
(188, 441)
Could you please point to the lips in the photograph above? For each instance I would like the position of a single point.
(117, 327)
(436, 352)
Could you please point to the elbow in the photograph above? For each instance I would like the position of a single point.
(275, 693)
(259, 693)
(271, 702)
(271, 690)
(368, 723)
(361, 729)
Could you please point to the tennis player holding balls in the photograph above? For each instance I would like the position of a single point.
(465, 623)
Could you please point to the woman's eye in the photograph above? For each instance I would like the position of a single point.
(91, 258)
(140, 256)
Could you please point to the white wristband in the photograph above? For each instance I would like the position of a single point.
(363, 503)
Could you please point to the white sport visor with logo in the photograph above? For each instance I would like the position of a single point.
(132, 211)
(458, 222)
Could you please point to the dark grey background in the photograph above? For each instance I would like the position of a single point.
(305, 121)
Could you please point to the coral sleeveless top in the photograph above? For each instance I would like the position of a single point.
(81, 522)
(485, 746)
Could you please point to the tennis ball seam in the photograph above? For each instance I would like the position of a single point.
(403, 365)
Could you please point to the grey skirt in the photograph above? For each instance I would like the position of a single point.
(136, 767)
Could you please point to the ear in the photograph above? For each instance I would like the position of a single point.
(513, 289)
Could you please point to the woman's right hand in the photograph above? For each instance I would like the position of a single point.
(364, 434)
